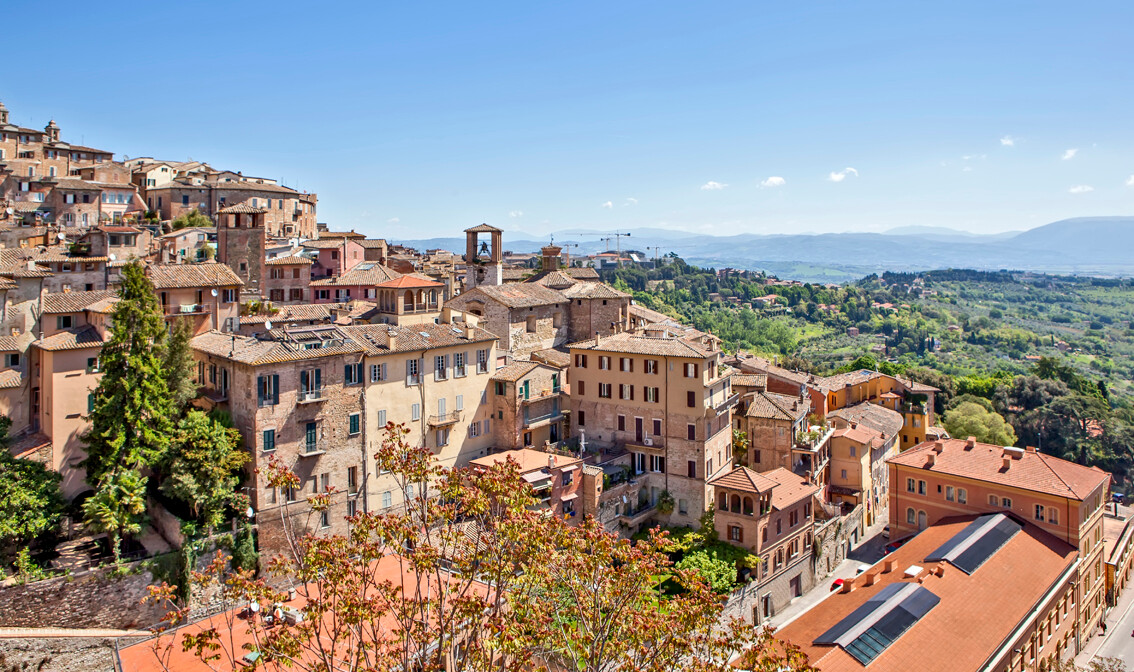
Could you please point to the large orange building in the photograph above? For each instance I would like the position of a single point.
(942, 479)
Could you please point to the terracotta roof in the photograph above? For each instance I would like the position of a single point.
(370, 243)
(528, 459)
(643, 345)
(10, 378)
(553, 356)
(755, 364)
(841, 380)
(554, 279)
(744, 479)
(257, 352)
(411, 338)
(290, 260)
(976, 613)
(511, 295)
(790, 488)
(1027, 470)
(409, 281)
(483, 228)
(323, 244)
(6, 283)
(368, 274)
(514, 371)
(73, 302)
(649, 316)
(253, 186)
(71, 339)
(21, 270)
(860, 434)
(776, 406)
(241, 209)
(341, 234)
(128, 229)
(513, 274)
(180, 276)
(879, 418)
(754, 380)
(9, 344)
(593, 290)
(583, 273)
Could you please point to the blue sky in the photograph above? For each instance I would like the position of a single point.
(420, 119)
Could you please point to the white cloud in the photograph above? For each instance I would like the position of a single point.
(630, 200)
(608, 205)
(773, 181)
(842, 174)
(712, 186)
(1069, 154)
(516, 213)
(970, 157)
(393, 220)
(1081, 189)
(1008, 141)
(1130, 181)
(967, 169)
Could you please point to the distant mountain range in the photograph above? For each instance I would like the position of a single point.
(1083, 246)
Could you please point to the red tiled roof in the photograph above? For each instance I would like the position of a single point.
(1027, 470)
(744, 479)
(408, 281)
(790, 488)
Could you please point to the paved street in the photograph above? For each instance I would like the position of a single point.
(868, 551)
(1118, 642)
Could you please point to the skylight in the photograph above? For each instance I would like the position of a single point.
(972, 546)
(878, 623)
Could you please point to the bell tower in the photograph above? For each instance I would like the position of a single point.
(3, 115)
(483, 260)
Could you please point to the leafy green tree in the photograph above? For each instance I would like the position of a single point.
(192, 218)
(207, 468)
(972, 419)
(178, 365)
(30, 502)
(117, 507)
(132, 420)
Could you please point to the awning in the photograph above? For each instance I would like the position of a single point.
(567, 498)
(537, 478)
(573, 467)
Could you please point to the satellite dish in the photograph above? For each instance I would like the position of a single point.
(10, 211)
(61, 236)
(268, 325)
(112, 257)
(213, 292)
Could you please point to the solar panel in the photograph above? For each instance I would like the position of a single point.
(973, 546)
(891, 623)
(860, 614)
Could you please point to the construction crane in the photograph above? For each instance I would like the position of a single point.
(656, 249)
(615, 237)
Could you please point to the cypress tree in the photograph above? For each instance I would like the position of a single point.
(132, 417)
(178, 364)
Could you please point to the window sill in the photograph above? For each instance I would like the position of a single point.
(312, 453)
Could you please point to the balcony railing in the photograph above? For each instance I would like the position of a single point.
(187, 309)
(444, 419)
(639, 513)
(310, 396)
(553, 416)
(542, 394)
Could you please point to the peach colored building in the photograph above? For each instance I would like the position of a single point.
(360, 282)
(939, 479)
(208, 293)
(288, 280)
(334, 256)
(555, 479)
(530, 402)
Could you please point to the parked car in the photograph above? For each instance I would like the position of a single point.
(886, 532)
(896, 544)
(837, 584)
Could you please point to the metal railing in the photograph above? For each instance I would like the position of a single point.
(442, 419)
(307, 396)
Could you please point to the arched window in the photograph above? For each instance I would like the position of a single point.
(735, 504)
(911, 516)
(748, 506)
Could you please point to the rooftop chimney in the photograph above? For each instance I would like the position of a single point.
(551, 257)
(1007, 461)
(1031, 449)
(392, 337)
(970, 443)
(932, 460)
(938, 446)
(550, 461)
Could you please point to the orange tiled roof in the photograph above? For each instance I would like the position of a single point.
(528, 459)
(182, 276)
(744, 479)
(975, 615)
(73, 302)
(71, 339)
(790, 488)
(409, 281)
(1027, 470)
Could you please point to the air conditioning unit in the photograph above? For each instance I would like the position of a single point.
(647, 441)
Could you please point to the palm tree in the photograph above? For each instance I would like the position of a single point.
(117, 507)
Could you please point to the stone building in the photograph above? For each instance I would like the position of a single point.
(529, 402)
(208, 294)
(241, 239)
(289, 280)
(770, 515)
(556, 480)
(665, 400)
(774, 423)
(526, 317)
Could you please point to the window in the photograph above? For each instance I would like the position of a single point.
(460, 402)
(353, 374)
(474, 429)
(63, 322)
(482, 361)
(415, 412)
(921, 487)
(993, 500)
(311, 434)
(622, 423)
(531, 324)
(1040, 513)
(626, 392)
(1006, 502)
(852, 448)
(735, 533)
(580, 361)
(779, 526)
(657, 464)
(459, 364)
(325, 519)
(690, 370)
(13, 359)
(440, 367)
(228, 295)
(355, 423)
(962, 496)
(691, 398)
(604, 363)
(1053, 516)
(413, 371)
(756, 456)
(911, 485)
(579, 388)
(387, 499)
(691, 470)
(90, 403)
(568, 478)
(625, 364)
(950, 494)
(657, 426)
(844, 474)
(652, 366)
(269, 440)
(691, 432)
(582, 418)
(604, 390)
(652, 394)
(911, 517)
(377, 373)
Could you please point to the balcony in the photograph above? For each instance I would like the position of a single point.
(310, 396)
(311, 450)
(723, 406)
(444, 419)
(187, 309)
(546, 418)
(541, 395)
(639, 514)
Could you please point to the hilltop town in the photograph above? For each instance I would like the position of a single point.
(313, 386)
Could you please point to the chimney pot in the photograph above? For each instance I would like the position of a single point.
(932, 460)
(938, 446)
(1007, 461)
(970, 443)
(1031, 449)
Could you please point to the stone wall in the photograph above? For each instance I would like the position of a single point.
(94, 599)
(831, 539)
